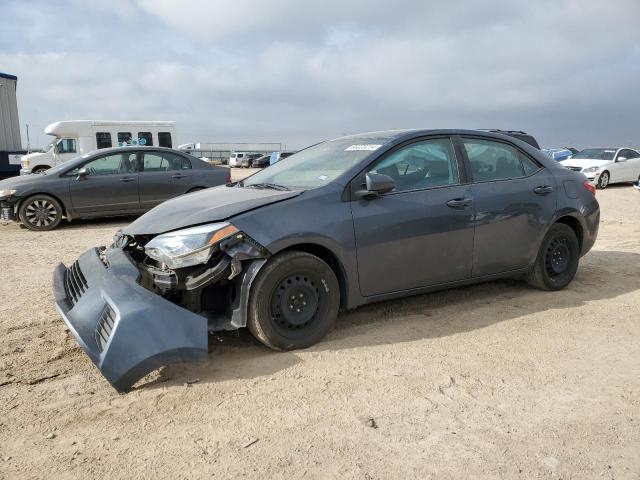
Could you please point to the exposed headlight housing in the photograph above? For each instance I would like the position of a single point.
(6, 193)
(590, 170)
(190, 246)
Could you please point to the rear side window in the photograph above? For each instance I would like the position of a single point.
(164, 162)
(103, 140)
(164, 139)
(491, 160)
(124, 138)
(145, 139)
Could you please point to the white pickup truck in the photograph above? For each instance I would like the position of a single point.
(78, 137)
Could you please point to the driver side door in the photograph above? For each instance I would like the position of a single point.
(420, 233)
(110, 186)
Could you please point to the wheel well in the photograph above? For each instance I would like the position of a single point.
(195, 189)
(64, 208)
(40, 167)
(330, 259)
(574, 224)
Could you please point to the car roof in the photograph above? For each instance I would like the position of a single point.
(405, 134)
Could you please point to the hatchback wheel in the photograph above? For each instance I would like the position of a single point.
(294, 301)
(40, 212)
(603, 181)
(557, 260)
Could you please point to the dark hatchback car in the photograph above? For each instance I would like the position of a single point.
(107, 182)
(343, 223)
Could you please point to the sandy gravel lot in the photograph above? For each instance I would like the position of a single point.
(490, 381)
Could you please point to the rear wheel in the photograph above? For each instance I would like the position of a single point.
(603, 181)
(40, 212)
(557, 260)
(294, 301)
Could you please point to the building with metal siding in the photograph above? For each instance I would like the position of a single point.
(9, 122)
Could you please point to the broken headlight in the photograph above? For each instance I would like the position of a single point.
(191, 246)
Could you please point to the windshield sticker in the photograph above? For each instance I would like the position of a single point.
(322, 177)
(367, 147)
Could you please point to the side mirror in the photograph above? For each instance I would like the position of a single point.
(621, 159)
(83, 173)
(377, 184)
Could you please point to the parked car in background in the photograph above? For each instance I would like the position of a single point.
(262, 161)
(604, 166)
(108, 182)
(351, 221)
(248, 159)
(520, 135)
(557, 154)
(236, 159)
(78, 137)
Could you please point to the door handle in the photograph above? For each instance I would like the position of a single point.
(459, 202)
(178, 175)
(543, 190)
(127, 179)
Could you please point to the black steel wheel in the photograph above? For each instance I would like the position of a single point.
(557, 260)
(40, 212)
(294, 301)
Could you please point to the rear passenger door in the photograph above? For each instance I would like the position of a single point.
(514, 201)
(164, 175)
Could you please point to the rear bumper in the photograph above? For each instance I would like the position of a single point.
(126, 330)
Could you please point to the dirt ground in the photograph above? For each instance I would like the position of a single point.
(490, 381)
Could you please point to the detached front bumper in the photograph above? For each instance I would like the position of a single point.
(126, 330)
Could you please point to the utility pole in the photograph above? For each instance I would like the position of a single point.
(28, 141)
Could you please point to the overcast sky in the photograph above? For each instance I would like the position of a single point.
(567, 71)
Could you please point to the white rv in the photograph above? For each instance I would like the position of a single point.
(78, 137)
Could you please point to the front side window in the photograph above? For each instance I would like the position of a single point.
(164, 139)
(103, 140)
(145, 139)
(492, 160)
(67, 145)
(425, 164)
(111, 164)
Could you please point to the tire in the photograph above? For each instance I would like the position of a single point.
(557, 260)
(603, 181)
(40, 169)
(40, 213)
(294, 301)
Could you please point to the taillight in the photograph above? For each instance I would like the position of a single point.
(589, 187)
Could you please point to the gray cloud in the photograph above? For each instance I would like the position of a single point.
(565, 70)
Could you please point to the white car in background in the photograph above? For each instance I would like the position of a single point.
(603, 166)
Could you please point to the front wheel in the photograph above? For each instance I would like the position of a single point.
(603, 181)
(294, 301)
(40, 212)
(557, 260)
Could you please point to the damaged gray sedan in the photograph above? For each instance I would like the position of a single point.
(346, 222)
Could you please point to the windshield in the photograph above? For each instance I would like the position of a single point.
(595, 154)
(64, 165)
(318, 165)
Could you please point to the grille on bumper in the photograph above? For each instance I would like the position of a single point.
(105, 327)
(74, 283)
(575, 169)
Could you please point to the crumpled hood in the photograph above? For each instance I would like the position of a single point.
(210, 205)
(585, 163)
